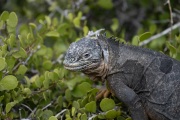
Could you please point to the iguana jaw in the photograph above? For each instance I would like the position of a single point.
(81, 66)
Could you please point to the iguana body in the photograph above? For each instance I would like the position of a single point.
(148, 82)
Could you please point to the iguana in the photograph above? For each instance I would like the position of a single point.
(148, 82)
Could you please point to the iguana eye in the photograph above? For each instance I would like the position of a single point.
(86, 55)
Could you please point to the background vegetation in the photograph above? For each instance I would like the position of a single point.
(34, 35)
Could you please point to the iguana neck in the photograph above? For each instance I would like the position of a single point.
(98, 73)
(101, 71)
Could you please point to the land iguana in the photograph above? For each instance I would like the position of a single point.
(148, 82)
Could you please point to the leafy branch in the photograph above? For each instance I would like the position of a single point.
(168, 30)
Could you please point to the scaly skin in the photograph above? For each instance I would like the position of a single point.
(148, 82)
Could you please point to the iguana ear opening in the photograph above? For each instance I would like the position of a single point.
(102, 41)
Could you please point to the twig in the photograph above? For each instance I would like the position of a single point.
(31, 54)
(171, 17)
(32, 112)
(27, 107)
(176, 10)
(15, 67)
(101, 113)
(47, 105)
(59, 59)
(40, 91)
(57, 9)
(20, 115)
(25, 62)
(170, 10)
(96, 33)
(93, 116)
(60, 113)
(175, 26)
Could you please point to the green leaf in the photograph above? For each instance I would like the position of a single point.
(68, 95)
(85, 30)
(91, 107)
(153, 28)
(27, 91)
(52, 118)
(144, 36)
(76, 22)
(1, 98)
(63, 28)
(68, 118)
(81, 89)
(11, 40)
(107, 104)
(21, 70)
(1, 24)
(32, 25)
(79, 14)
(20, 54)
(47, 114)
(10, 60)
(42, 51)
(4, 49)
(73, 111)
(76, 104)
(60, 101)
(4, 16)
(177, 38)
(30, 38)
(0, 53)
(128, 118)
(101, 116)
(135, 40)
(11, 30)
(2, 63)
(10, 105)
(70, 17)
(107, 4)
(171, 47)
(46, 83)
(55, 22)
(84, 116)
(13, 20)
(47, 65)
(9, 82)
(39, 81)
(111, 114)
(48, 20)
(52, 34)
(115, 24)
(93, 91)
(53, 76)
(39, 112)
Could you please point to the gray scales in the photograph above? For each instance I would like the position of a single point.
(148, 82)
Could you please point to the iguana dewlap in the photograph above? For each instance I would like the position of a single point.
(148, 82)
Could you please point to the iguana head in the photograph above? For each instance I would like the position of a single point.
(83, 54)
(88, 55)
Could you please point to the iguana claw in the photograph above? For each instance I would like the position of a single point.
(103, 93)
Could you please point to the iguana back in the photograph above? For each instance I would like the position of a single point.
(153, 76)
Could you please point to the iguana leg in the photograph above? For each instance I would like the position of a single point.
(128, 96)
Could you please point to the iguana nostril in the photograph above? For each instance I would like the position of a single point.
(72, 59)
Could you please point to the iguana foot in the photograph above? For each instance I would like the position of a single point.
(103, 93)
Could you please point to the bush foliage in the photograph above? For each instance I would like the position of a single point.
(34, 36)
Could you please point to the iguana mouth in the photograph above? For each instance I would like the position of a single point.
(81, 67)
